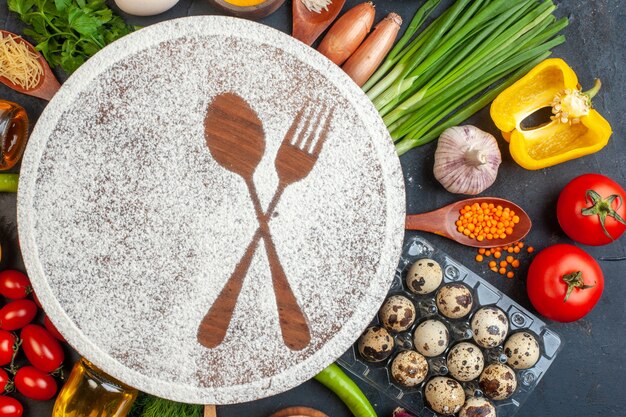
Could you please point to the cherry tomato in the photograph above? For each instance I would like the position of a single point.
(35, 384)
(52, 329)
(591, 210)
(7, 346)
(36, 300)
(17, 314)
(42, 350)
(14, 284)
(10, 407)
(4, 380)
(564, 283)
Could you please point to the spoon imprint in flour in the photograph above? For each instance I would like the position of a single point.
(235, 137)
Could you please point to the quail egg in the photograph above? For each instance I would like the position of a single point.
(444, 395)
(376, 344)
(424, 277)
(431, 338)
(454, 300)
(490, 326)
(477, 407)
(397, 313)
(522, 350)
(465, 362)
(409, 368)
(498, 381)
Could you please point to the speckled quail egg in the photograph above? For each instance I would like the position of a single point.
(424, 277)
(465, 362)
(522, 350)
(409, 368)
(498, 381)
(397, 313)
(478, 407)
(376, 344)
(431, 338)
(444, 395)
(454, 300)
(490, 326)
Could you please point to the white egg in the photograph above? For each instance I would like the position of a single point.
(145, 7)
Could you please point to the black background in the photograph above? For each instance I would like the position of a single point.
(587, 378)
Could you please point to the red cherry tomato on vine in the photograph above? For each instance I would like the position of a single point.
(4, 381)
(7, 346)
(36, 300)
(14, 284)
(52, 329)
(35, 384)
(42, 350)
(17, 314)
(10, 407)
(591, 210)
(564, 283)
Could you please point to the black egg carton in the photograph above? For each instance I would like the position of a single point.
(378, 374)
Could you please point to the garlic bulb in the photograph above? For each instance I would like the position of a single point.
(466, 160)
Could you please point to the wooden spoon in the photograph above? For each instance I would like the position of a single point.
(210, 411)
(298, 412)
(442, 222)
(308, 25)
(48, 84)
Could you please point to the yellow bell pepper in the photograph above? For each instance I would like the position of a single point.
(575, 128)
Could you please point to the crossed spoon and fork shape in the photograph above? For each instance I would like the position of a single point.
(235, 137)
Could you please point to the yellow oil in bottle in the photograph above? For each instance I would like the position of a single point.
(89, 392)
(13, 133)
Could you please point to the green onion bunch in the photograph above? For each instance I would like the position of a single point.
(457, 65)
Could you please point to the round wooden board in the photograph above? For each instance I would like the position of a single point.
(210, 211)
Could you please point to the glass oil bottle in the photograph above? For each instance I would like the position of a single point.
(89, 392)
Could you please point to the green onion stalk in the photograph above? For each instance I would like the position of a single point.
(459, 63)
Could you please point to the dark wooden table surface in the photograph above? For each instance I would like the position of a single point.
(587, 378)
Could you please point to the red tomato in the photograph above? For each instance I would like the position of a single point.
(52, 329)
(42, 350)
(7, 347)
(14, 284)
(36, 300)
(17, 314)
(591, 210)
(34, 384)
(564, 283)
(10, 407)
(4, 380)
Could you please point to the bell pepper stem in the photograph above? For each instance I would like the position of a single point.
(574, 280)
(591, 93)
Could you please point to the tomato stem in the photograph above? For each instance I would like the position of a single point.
(603, 207)
(574, 280)
(16, 349)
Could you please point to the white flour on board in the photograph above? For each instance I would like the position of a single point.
(130, 229)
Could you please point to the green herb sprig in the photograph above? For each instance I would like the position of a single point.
(68, 32)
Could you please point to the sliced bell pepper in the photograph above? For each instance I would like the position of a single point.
(575, 129)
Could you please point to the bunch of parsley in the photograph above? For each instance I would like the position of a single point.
(67, 32)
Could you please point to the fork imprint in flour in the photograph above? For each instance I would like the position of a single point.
(234, 135)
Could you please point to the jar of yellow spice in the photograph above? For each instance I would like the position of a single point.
(249, 9)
